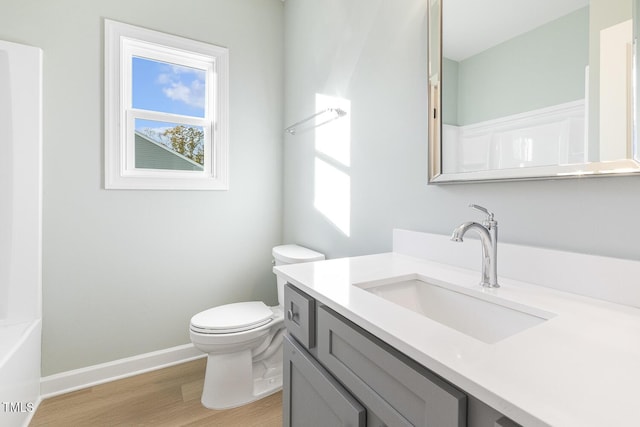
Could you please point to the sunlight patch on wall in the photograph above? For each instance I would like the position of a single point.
(333, 158)
(333, 195)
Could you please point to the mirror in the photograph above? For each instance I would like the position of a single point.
(531, 89)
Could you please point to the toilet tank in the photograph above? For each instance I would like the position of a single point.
(292, 254)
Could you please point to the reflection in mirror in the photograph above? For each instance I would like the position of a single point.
(530, 88)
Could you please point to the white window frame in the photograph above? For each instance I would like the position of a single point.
(122, 43)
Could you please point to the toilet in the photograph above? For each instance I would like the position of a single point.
(244, 342)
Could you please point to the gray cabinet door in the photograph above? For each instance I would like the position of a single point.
(312, 397)
(395, 388)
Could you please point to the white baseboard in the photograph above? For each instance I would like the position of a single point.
(65, 382)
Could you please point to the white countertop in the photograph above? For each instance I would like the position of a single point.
(579, 368)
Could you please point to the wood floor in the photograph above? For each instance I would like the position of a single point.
(167, 397)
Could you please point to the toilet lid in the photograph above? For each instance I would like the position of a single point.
(235, 317)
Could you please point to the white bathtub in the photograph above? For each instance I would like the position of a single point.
(20, 231)
(19, 372)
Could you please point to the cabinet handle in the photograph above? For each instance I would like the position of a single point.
(291, 315)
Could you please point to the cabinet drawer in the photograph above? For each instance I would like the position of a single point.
(312, 397)
(397, 389)
(299, 316)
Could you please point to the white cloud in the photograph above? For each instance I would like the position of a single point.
(163, 79)
(184, 84)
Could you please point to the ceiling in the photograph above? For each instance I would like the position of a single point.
(471, 26)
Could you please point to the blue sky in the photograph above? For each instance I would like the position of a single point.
(168, 88)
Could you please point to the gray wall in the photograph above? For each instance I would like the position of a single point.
(385, 80)
(125, 270)
(450, 92)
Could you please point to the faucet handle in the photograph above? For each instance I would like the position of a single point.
(482, 209)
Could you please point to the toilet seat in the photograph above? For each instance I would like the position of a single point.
(230, 318)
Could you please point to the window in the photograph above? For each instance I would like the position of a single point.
(166, 111)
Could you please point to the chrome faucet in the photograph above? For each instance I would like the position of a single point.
(488, 232)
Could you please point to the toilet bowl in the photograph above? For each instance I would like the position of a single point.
(244, 343)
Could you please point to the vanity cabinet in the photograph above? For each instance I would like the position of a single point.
(338, 374)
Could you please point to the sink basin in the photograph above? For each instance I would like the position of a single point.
(472, 312)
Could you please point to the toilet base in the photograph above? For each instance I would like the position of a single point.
(233, 379)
